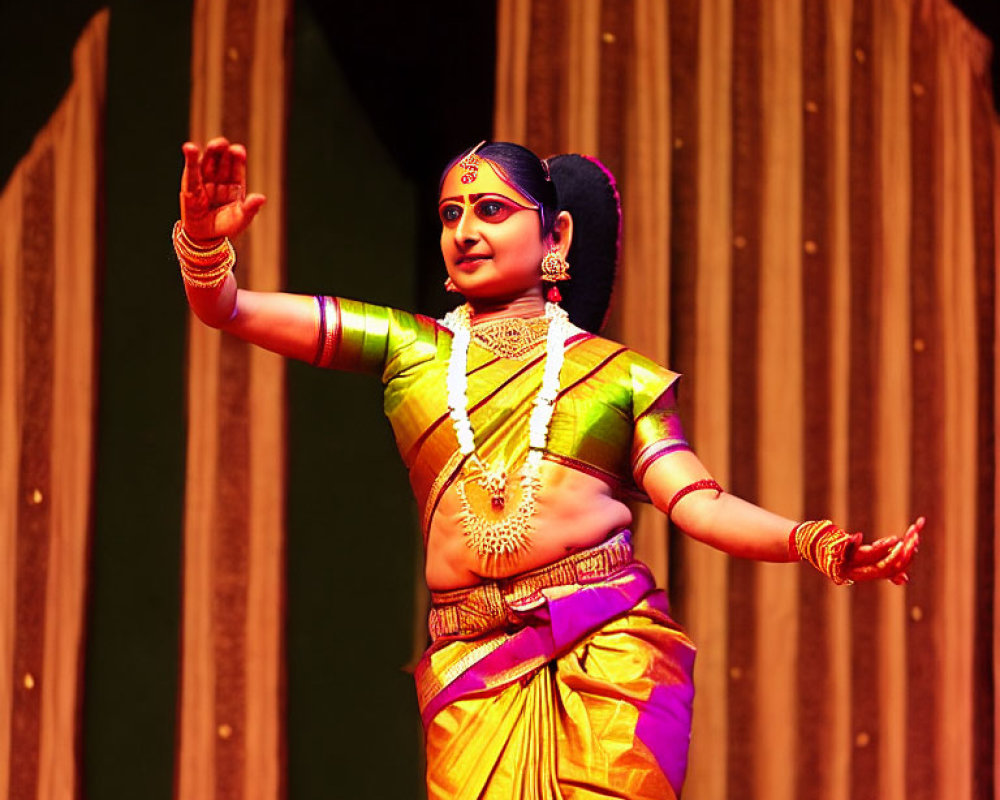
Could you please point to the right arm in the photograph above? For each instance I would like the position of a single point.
(214, 205)
(287, 324)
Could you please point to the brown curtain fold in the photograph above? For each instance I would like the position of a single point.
(49, 220)
(991, 749)
(231, 740)
(811, 205)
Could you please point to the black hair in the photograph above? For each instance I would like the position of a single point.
(587, 190)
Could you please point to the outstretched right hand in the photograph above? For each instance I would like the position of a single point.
(214, 202)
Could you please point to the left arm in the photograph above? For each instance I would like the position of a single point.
(723, 521)
(742, 529)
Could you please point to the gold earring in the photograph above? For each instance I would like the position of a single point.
(449, 285)
(554, 268)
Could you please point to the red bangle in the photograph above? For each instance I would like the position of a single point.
(704, 483)
(793, 550)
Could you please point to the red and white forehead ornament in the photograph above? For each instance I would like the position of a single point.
(470, 166)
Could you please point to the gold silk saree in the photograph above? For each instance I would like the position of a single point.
(571, 681)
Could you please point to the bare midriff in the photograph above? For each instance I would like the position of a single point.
(573, 511)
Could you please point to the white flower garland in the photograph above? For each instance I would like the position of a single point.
(497, 538)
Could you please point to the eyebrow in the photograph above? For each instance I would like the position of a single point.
(476, 197)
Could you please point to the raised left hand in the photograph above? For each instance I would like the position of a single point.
(885, 558)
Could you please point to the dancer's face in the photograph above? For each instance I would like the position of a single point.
(491, 235)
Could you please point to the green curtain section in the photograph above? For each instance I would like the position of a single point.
(126, 742)
(38, 42)
(353, 728)
(130, 691)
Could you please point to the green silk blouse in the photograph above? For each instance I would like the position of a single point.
(615, 414)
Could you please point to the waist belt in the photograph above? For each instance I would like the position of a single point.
(474, 610)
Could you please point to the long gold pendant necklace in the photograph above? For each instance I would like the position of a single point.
(497, 516)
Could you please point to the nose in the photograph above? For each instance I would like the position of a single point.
(467, 231)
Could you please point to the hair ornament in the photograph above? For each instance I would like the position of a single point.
(470, 163)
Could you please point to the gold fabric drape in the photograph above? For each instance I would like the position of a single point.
(810, 235)
(49, 220)
(231, 728)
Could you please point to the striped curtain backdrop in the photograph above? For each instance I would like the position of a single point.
(811, 204)
(49, 253)
(231, 728)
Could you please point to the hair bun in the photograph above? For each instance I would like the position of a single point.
(587, 190)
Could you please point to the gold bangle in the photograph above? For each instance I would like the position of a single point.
(193, 248)
(825, 546)
(206, 278)
(196, 255)
(200, 267)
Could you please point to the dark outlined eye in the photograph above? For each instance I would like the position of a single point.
(492, 210)
(450, 213)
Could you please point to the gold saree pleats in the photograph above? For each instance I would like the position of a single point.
(570, 730)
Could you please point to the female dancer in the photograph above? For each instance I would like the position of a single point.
(554, 668)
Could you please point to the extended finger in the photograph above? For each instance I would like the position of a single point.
(894, 555)
(859, 574)
(874, 552)
(225, 168)
(191, 178)
(252, 204)
(898, 560)
(873, 572)
(238, 158)
(916, 527)
(895, 565)
(885, 567)
(211, 162)
(908, 550)
(210, 166)
(233, 218)
(218, 144)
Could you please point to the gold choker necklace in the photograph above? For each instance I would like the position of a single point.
(511, 337)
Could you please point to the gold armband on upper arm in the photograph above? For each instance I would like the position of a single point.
(658, 431)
